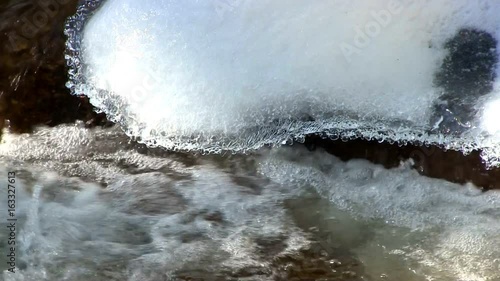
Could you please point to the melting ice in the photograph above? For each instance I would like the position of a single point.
(211, 75)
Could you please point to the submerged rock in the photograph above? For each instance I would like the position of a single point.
(33, 92)
(307, 265)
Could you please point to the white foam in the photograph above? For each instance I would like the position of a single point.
(450, 231)
(210, 75)
(157, 215)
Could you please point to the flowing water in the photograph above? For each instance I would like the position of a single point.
(167, 194)
(92, 205)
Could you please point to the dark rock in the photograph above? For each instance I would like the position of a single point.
(467, 73)
(430, 161)
(33, 76)
(33, 72)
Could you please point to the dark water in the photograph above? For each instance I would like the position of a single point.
(33, 72)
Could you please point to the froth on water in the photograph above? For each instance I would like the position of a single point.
(206, 76)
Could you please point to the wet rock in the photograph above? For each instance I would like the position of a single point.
(430, 161)
(312, 265)
(33, 72)
(467, 73)
(33, 92)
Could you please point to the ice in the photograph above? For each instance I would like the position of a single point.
(114, 211)
(214, 76)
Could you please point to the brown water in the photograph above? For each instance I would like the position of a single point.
(33, 72)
